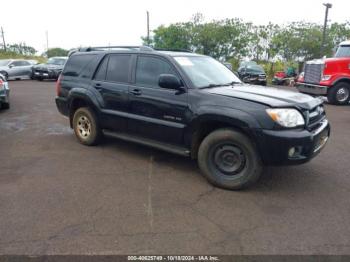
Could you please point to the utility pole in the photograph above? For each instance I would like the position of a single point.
(3, 38)
(47, 43)
(148, 28)
(328, 6)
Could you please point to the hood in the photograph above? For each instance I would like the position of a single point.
(48, 66)
(4, 67)
(270, 96)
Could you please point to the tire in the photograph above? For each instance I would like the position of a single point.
(5, 106)
(229, 160)
(86, 127)
(339, 94)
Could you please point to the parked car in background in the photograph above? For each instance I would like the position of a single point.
(252, 73)
(285, 77)
(328, 77)
(192, 105)
(4, 93)
(15, 69)
(50, 70)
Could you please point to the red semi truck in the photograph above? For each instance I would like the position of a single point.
(328, 77)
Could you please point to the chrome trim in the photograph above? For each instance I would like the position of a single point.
(324, 124)
(312, 89)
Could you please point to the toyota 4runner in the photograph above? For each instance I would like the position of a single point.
(192, 105)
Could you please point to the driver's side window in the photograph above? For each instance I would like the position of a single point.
(149, 69)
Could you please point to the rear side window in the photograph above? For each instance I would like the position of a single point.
(76, 64)
(149, 69)
(118, 68)
(102, 70)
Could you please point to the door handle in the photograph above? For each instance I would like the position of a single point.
(136, 92)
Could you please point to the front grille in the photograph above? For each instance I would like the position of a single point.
(313, 73)
(41, 71)
(316, 115)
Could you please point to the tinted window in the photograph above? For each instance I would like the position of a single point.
(76, 64)
(17, 63)
(102, 70)
(25, 63)
(118, 68)
(148, 70)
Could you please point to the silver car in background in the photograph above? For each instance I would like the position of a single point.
(16, 68)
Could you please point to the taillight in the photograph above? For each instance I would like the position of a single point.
(1, 84)
(58, 86)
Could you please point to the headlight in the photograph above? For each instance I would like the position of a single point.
(326, 77)
(287, 117)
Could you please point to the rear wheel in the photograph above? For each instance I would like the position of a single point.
(339, 94)
(228, 159)
(5, 105)
(86, 127)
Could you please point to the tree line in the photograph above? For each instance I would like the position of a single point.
(233, 39)
(23, 50)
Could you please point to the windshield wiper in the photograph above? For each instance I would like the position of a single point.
(214, 85)
(233, 83)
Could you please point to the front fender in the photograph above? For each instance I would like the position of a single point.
(341, 78)
(227, 116)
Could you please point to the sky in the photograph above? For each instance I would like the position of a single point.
(73, 23)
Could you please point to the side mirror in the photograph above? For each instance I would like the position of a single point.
(12, 65)
(170, 82)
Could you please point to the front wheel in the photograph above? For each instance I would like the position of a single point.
(229, 160)
(86, 127)
(339, 94)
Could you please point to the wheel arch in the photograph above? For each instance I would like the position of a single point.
(206, 124)
(342, 80)
(78, 100)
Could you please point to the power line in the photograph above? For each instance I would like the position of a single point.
(147, 28)
(3, 38)
(47, 43)
(327, 5)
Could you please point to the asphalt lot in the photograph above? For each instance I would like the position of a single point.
(59, 197)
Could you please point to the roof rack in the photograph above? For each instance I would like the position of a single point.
(174, 50)
(106, 48)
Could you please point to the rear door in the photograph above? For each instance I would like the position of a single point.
(112, 82)
(156, 113)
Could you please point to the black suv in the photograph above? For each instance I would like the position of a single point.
(191, 105)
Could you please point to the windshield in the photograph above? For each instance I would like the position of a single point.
(4, 62)
(204, 71)
(56, 61)
(343, 51)
(255, 69)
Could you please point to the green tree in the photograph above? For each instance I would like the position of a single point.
(57, 51)
(21, 49)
